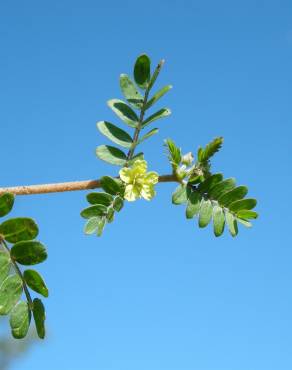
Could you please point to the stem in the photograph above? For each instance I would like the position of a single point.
(143, 109)
(19, 273)
(65, 186)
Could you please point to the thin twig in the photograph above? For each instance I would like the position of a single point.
(65, 186)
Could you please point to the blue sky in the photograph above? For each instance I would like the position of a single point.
(154, 292)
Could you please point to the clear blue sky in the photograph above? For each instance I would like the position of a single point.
(154, 292)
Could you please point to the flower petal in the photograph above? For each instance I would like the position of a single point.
(126, 175)
(140, 166)
(131, 193)
(148, 192)
(151, 178)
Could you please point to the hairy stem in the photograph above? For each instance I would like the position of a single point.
(65, 186)
(19, 273)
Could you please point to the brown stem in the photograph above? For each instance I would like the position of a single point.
(65, 186)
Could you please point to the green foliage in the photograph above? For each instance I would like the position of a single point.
(105, 204)
(18, 229)
(174, 153)
(10, 292)
(20, 320)
(138, 100)
(28, 252)
(39, 315)
(5, 264)
(162, 113)
(142, 71)
(115, 134)
(158, 95)
(6, 204)
(25, 251)
(217, 199)
(204, 154)
(34, 280)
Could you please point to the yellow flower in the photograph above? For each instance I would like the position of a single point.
(139, 183)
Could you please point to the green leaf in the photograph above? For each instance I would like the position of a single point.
(10, 293)
(244, 222)
(124, 112)
(115, 134)
(91, 225)
(17, 229)
(174, 153)
(194, 203)
(162, 113)
(100, 198)
(142, 71)
(6, 203)
(39, 316)
(20, 320)
(232, 195)
(231, 223)
(34, 280)
(28, 252)
(210, 182)
(247, 214)
(148, 135)
(110, 215)
(205, 213)
(222, 188)
(158, 95)
(118, 204)
(210, 149)
(130, 91)
(137, 156)
(94, 211)
(101, 225)
(218, 220)
(244, 204)
(111, 155)
(111, 185)
(5, 264)
(180, 195)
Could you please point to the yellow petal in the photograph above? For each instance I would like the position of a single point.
(131, 193)
(151, 178)
(126, 175)
(148, 192)
(140, 166)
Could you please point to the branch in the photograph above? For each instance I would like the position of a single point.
(65, 186)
